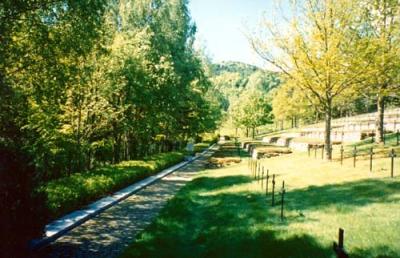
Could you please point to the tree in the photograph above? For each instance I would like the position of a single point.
(252, 107)
(41, 43)
(321, 53)
(382, 27)
(288, 103)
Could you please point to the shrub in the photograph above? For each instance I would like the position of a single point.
(79, 189)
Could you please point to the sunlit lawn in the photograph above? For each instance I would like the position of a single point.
(225, 213)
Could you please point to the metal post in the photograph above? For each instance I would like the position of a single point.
(282, 198)
(273, 189)
(266, 183)
(338, 248)
(252, 167)
(341, 238)
(371, 153)
(384, 140)
(255, 171)
(392, 156)
(262, 178)
(341, 155)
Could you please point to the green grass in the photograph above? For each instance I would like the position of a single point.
(79, 189)
(225, 213)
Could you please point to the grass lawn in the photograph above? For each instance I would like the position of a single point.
(225, 213)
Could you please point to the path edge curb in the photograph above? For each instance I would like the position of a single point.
(116, 197)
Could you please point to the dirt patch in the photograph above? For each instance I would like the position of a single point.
(222, 162)
(269, 152)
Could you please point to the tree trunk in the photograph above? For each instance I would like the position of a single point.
(247, 132)
(78, 141)
(328, 129)
(379, 128)
(254, 132)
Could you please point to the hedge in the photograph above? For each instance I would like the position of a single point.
(79, 189)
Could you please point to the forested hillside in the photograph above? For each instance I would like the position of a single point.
(244, 93)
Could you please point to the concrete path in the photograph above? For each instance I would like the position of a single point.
(109, 233)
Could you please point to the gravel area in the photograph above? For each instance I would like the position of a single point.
(107, 234)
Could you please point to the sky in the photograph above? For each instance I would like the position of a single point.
(222, 24)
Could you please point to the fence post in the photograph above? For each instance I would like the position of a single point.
(354, 156)
(384, 138)
(392, 155)
(371, 153)
(262, 178)
(252, 168)
(266, 183)
(338, 248)
(283, 198)
(273, 189)
(255, 169)
(341, 155)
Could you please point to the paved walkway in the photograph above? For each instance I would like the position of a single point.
(110, 232)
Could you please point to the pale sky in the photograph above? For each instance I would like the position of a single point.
(221, 27)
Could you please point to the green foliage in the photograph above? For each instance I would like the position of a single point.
(72, 192)
(244, 70)
(242, 92)
(252, 107)
(98, 88)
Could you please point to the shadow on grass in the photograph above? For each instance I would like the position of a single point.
(345, 196)
(208, 184)
(198, 223)
(220, 225)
